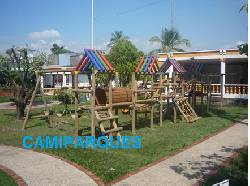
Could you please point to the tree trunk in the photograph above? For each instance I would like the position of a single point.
(20, 101)
(20, 107)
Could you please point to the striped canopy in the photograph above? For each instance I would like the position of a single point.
(93, 59)
(148, 65)
(169, 62)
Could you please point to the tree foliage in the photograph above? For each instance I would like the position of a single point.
(115, 37)
(170, 41)
(124, 57)
(243, 48)
(56, 49)
(244, 7)
(18, 70)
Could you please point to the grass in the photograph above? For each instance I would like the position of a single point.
(236, 172)
(6, 179)
(4, 99)
(110, 164)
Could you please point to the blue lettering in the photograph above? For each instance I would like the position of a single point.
(68, 140)
(79, 143)
(24, 142)
(90, 141)
(125, 142)
(51, 144)
(39, 142)
(103, 142)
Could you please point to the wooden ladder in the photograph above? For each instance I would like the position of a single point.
(105, 115)
(185, 109)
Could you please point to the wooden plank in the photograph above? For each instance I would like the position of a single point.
(152, 110)
(161, 104)
(93, 98)
(134, 86)
(174, 109)
(113, 130)
(122, 104)
(75, 76)
(81, 90)
(38, 79)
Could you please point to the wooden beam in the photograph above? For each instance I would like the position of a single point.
(38, 79)
(174, 108)
(152, 107)
(93, 103)
(134, 86)
(161, 104)
(81, 90)
(75, 77)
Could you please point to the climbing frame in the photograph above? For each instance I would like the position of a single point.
(106, 115)
(186, 109)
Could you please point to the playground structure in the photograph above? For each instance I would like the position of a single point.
(172, 88)
(168, 87)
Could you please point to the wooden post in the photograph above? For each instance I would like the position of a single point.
(75, 85)
(208, 94)
(152, 106)
(93, 103)
(161, 107)
(202, 95)
(38, 79)
(174, 89)
(221, 89)
(116, 85)
(168, 102)
(134, 86)
(110, 95)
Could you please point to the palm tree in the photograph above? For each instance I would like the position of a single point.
(244, 7)
(56, 49)
(115, 37)
(170, 40)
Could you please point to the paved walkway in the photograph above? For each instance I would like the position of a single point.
(41, 169)
(187, 167)
(11, 105)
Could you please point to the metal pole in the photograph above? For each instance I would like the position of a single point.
(92, 43)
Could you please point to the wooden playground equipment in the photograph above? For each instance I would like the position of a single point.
(168, 87)
(53, 118)
(159, 87)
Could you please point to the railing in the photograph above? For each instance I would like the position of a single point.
(229, 88)
(236, 88)
(51, 91)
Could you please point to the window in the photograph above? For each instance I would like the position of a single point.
(67, 79)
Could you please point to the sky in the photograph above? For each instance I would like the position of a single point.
(208, 24)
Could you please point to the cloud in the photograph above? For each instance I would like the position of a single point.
(46, 34)
(42, 41)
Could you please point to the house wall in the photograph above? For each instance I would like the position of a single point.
(64, 59)
(74, 60)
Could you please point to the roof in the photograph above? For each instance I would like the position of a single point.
(204, 55)
(149, 64)
(93, 59)
(172, 62)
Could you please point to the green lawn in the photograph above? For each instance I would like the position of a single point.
(4, 99)
(38, 99)
(236, 172)
(6, 179)
(110, 164)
